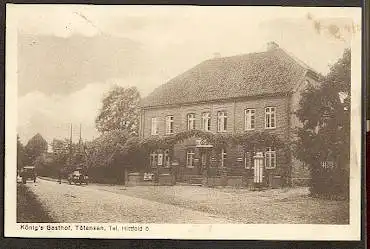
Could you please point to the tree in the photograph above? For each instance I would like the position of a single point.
(105, 155)
(21, 154)
(35, 147)
(120, 111)
(325, 135)
(61, 152)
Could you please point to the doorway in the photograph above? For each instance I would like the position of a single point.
(204, 161)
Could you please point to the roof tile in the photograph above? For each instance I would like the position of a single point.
(270, 72)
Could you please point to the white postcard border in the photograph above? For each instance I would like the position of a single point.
(185, 231)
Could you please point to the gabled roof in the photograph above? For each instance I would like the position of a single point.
(271, 72)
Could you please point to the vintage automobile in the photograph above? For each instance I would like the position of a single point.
(28, 173)
(77, 176)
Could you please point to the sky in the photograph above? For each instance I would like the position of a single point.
(70, 56)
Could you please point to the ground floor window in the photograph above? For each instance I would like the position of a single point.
(153, 159)
(327, 164)
(190, 158)
(160, 158)
(248, 160)
(270, 158)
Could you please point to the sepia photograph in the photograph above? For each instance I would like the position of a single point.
(183, 122)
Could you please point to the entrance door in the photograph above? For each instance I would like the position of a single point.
(204, 161)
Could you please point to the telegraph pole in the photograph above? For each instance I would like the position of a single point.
(70, 147)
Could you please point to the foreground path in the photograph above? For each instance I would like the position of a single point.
(74, 204)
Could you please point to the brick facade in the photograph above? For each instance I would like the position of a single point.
(286, 122)
(230, 86)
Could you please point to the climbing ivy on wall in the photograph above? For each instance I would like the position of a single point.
(252, 140)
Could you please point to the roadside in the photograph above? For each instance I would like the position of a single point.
(273, 206)
(86, 204)
(279, 206)
(29, 208)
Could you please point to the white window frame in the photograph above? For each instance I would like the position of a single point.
(153, 158)
(270, 117)
(206, 121)
(221, 121)
(248, 160)
(169, 124)
(269, 155)
(327, 164)
(223, 157)
(154, 130)
(250, 119)
(190, 154)
(190, 117)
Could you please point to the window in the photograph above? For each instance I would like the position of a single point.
(154, 126)
(270, 119)
(221, 121)
(248, 160)
(160, 159)
(206, 121)
(270, 159)
(153, 159)
(167, 160)
(223, 157)
(327, 164)
(169, 125)
(190, 158)
(204, 159)
(191, 121)
(250, 119)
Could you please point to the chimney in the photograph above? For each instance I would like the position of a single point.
(272, 46)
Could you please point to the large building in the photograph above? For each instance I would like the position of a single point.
(256, 92)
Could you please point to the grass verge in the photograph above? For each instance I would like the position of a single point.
(29, 209)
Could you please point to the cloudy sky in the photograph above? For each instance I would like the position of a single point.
(70, 56)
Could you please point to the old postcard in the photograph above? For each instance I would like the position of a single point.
(183, 122)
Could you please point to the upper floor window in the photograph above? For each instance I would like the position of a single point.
(270, 158)
(154, 126)
(206, 121)
(190, 158)
(250, 119)
(191, 121)
(169, 125)
(221, 121)
(270, 117)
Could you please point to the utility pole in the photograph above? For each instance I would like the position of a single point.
(70, 147)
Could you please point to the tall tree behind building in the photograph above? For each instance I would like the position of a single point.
(120, 111)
